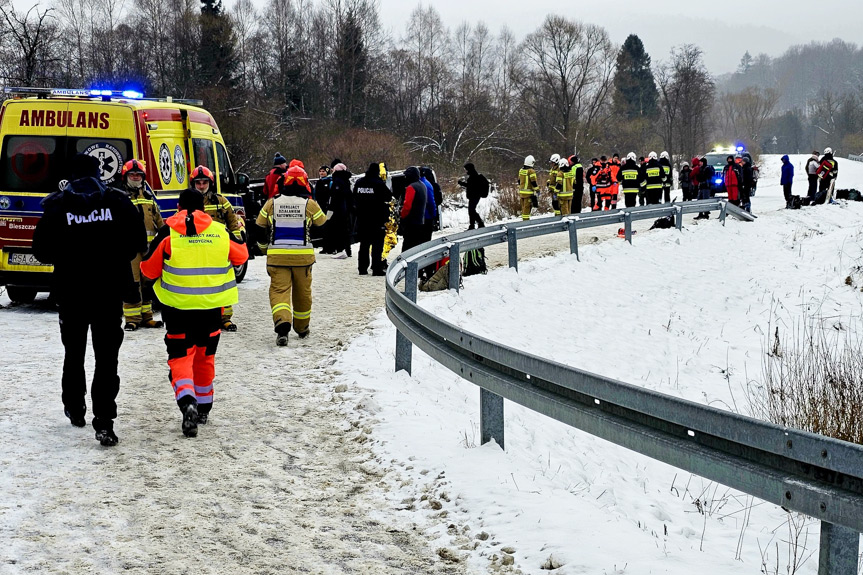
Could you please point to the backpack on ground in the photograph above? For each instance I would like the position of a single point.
(483, 186)
(663, 223)
(474, 262)
(795, 203)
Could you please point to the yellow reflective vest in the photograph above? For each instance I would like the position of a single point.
(527, 181)
(198, 275)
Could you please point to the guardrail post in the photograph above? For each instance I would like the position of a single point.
(404, 347)
(627, 224)
(491, 417)
(679, 216)
(573, 238)
(838, 551)
(723, 211)
(512, 243)
(454, 266)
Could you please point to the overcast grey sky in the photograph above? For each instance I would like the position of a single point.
(723, 29)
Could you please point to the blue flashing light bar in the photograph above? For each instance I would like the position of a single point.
(740, 148)
(717, 181)
(132, 94)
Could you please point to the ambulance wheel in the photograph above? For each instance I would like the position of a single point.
(240, 271)
(21, 294)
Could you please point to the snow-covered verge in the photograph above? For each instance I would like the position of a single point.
(685, 313)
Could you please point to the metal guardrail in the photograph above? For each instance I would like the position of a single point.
(855, 158)
(801, 471)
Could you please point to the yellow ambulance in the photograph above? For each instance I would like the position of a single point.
(41, 129)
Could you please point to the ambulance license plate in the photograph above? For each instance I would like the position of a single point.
(19, 259)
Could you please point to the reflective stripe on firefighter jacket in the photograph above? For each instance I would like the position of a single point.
(565, 183)
(668, 177)
(553, 178)
(527, 181)
(630, 180)
(287, 220)
(654, 177)
(142, 198)
(198, 274)
(221, 210)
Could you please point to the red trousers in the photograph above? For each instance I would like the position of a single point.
(192, 339)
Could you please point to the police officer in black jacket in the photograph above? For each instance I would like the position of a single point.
(90, 233)
(371, 198)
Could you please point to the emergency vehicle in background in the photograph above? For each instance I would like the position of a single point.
(718, 158)
(41, 129)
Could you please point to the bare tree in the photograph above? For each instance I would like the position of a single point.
(34, 40)
(686, 92)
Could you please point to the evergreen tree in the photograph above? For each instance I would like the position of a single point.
(635, 92)
(745, 63)
(350, 70)
(217, 59)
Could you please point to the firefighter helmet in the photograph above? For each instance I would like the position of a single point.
(828, 151)
(529, 161)
(202, 173)
(631, 156)
(664, 155)
(564, 163)
(651, 156)
(134, 166)
(554, 159)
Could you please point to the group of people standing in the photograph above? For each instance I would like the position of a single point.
(821, 171)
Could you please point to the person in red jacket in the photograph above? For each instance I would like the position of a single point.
(280, 166)
(615, 179)
(192, 259)
(733, 179)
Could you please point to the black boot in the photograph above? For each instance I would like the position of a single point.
(190, 418)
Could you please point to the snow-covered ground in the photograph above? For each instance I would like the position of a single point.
(319, 459)
(686, 314)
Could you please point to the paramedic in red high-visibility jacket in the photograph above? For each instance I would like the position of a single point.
(192, 260)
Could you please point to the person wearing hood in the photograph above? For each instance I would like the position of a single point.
(432, 211)
(283, 235)
(371, 198)
(475, 188)
(733, 179)
(413, 209)
(826, 173)
(339, 207)
(192, 260)
(280, 166)
(812, 173)
(684, 182)
(748, 183)
(706, 172)
(787, 179)
(90, 234)
(693, 178)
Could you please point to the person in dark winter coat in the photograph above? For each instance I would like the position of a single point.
(684, 182)
(812, 173)
(748, 182)
(338, 213)
(322, 197)
(371, 198)
(90, 234)
(826, 173)
(431, 205)
(705, 179)
(413, 209)
(787, 179)
(475, 188)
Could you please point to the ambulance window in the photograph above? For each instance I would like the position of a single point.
(31, 164)
(204, 153)
(225, 171)
(110, 153)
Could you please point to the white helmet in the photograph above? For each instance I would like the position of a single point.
(664, 155)
(828, 150)
(651, 156)
(564, 163)
(529, 161)
(631, 156)
(555, 159)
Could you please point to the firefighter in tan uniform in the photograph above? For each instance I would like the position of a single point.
(221, 211)
(527, 187)
(285, 221)
(138, 303)
(565, 187)
(552, 183)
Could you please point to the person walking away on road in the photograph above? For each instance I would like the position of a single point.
(654, 179)
(476, 188)
(787, 179)
(193, 260)
(684, 181)
(413, 209)
(90, 233)
(827, 171)
(748, 184)
(631, 177)
(138, 301)
(372, 198)
(812, 173)
(705, 179)
(283, 235)
(577, 184)
(221, 211)
(339, 208)
(271, 181)
(732, 178)
(551, 183)
(527, 187)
